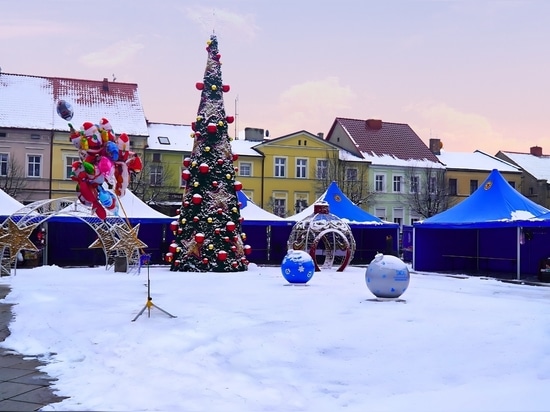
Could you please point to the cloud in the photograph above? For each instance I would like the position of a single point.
(456, 129)
(224, 21)
(310, 104)
(113, 55)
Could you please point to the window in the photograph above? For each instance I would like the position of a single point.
(156, 175)
(35, 136)
(245, 169)
(322, 169)
(300, 202)
(380, 183)
(156, 158)
(432, 185)
(279, 207)
(280, 167)
(414, 220)
(453, 187)
(34, 165)
(380, 213)
(473, 186)
(414, 184)
(398, 214)
(4, 159)
(397, 181)
(351, 174)
(164, 140)
(69, 160)
(301, 168)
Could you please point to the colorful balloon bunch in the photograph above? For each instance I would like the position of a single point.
(104, 157)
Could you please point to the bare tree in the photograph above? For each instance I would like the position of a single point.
(12, 177)
(427, 192)
(351, 178)
(151, 185)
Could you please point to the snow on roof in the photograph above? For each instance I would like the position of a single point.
(537, 166)
(476, 160)
(177, 137)
(30, 102)
(388, 160)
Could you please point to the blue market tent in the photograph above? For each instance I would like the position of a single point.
(370, 232)
(489, 232)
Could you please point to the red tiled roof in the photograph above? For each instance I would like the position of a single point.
(384, 138)
(30, 102)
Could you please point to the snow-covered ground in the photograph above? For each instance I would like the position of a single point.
(249, 341)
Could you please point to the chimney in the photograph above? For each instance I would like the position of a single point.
(105, 84)
(252, 134)
(375, 124)
(435, 146)
(536, 151)
(321, 135)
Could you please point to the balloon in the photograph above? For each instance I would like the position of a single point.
(104, 156)
(65, 110)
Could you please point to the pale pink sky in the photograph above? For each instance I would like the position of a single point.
(473, 73)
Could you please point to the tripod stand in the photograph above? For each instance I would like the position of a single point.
(149, 304)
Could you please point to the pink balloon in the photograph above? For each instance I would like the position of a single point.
(105, 165)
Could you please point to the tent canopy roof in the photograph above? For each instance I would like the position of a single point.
(494, 203)
(340, 205)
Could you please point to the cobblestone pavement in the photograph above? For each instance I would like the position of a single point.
(22, 386)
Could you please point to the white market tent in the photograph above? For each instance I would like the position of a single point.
(8, 205)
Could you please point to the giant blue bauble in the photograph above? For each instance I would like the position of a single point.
(297, 267)
(387, 276)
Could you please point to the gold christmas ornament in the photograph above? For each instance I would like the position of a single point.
(128, 241)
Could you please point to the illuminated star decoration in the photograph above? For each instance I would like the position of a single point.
(16, 238)
(128, 241)
(105, 239)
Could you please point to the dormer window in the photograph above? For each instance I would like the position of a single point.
(164, 140)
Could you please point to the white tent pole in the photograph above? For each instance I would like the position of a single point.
(518, 253)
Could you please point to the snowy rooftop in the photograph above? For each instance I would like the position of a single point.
(30, 102)
(177, 137)
(476, 160)
(537, 166)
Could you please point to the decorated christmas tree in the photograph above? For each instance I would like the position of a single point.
(208, 233)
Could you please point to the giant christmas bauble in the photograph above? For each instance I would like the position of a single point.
(387, 276)
(297, 267)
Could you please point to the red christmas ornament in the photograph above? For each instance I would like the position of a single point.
(169, 257)
(180, 230)
(195, 219)
(247, 249)
(177, 262)
(222, 255)
(205, 261)
(233, 248)
(226, 239)
(187, 161)
(186, 175)
(197, 199)
(193, 126)
(220, 161)
(235, 264)
(197, 134)
(217, 231)
(235, 157)
(212, 128)
(174, 225)
(204, 168)
(237, 185)
(220, 211)
(186, 203)
(199, 237)
(230, 226)
(199, 85)
(225, 88)
(172, 248)
(215, 183)
(229, 119)
(241, 219)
